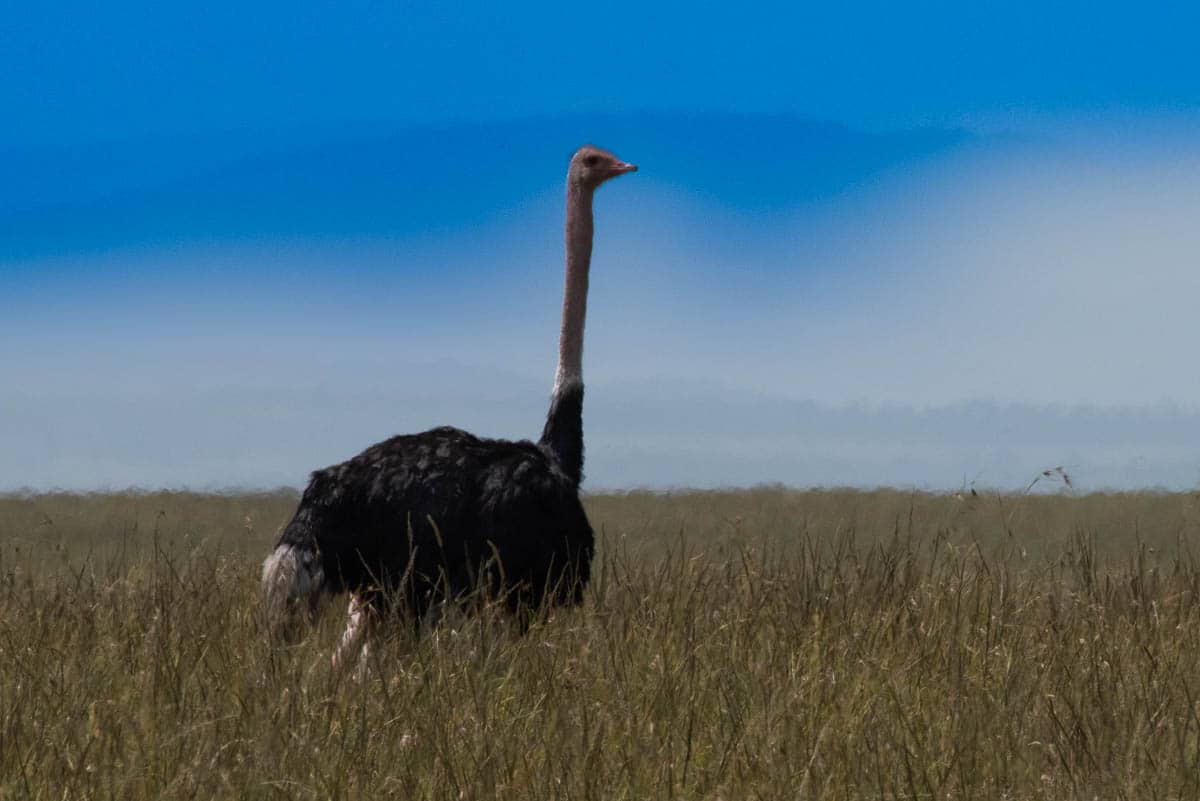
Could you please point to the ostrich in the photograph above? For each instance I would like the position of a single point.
(433, 517)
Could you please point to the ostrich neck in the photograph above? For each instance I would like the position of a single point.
(562, 438)
(574, 313)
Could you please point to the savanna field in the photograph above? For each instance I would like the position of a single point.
(768, 644)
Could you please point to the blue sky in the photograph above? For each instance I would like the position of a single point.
(868, 245)
(78, 71)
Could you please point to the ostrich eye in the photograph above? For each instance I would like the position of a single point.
(592, 161)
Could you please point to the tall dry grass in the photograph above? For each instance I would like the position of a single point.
(759, 644)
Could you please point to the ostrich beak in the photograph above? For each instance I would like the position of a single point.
(620, 168)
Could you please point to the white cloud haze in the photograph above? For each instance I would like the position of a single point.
(981, 318)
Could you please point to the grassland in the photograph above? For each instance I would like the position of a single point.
(762, 644)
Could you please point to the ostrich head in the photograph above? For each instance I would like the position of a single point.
(592, 166)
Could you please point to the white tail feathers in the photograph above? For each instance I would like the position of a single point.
(292, 578)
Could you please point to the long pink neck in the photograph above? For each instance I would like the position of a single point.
(579, 257)
(562, 437)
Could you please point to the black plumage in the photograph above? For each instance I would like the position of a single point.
(441, 514)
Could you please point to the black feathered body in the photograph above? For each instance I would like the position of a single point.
(444, 513)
